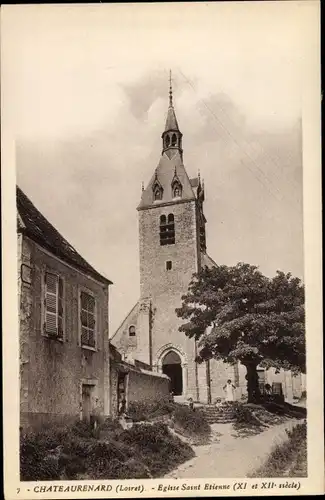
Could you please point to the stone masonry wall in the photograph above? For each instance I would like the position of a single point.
(220, 372)
(52, 371)
(142, 386)
(166, 287)
(113, 391)
(121, 340)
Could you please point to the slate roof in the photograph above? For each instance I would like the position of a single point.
(165, 172)
(171, 120)
(31, 222)
(195, 182)
(206, 260)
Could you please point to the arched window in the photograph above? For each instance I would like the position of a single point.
(157, 194)
(167, 230)
(174, 140)
(132, 331)
(167, 141)
(177, 190)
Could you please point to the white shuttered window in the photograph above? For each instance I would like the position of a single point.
(53, 305)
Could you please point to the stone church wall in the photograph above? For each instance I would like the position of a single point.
(166, 287)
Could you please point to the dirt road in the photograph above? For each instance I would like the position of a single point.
(231, 456)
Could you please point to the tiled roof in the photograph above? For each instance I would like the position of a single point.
(32, 223)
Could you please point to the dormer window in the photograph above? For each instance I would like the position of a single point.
(176, 186)
(157, 194)
(157, 190)
(177, 191)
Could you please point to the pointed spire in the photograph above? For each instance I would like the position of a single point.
(171, 121)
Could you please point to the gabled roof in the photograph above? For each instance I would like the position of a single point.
(165, 174)
(32, 223)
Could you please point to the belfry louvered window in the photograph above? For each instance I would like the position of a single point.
(53, 305)
(87, 319)
(167, 230)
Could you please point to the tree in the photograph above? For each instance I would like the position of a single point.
(238, 314)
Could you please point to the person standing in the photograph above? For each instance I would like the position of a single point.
(191, 404)
(229, 389)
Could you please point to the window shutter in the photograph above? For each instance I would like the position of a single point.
(60, 307)
(87, 319)
(51, 303)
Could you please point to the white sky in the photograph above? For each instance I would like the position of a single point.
(88, 98)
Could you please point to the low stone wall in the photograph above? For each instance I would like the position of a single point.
(143, 386)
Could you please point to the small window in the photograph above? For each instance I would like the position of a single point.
(87, 319)
(177, 191)
(167, 141)
(158, 194)
(168, 265)
(174, 140)
(53, 305)
(167, 230)
(132, 331)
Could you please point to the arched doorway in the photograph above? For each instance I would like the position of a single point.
(172, 366)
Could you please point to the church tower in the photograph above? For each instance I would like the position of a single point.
(172, 246)
(172, 240)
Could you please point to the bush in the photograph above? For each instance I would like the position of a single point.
(33, 464)
(186, 421)
(157, 448)
(144, 410)
(191, 422)
(244, 414)
(140, 452)
(289, 459)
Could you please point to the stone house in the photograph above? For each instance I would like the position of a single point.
(63, 326)
(172, 246)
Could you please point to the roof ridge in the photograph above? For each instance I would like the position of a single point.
(40, 229)
(125, 318)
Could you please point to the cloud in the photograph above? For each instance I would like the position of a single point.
(87, 97)
(89, 186)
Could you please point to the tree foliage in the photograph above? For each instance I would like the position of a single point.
(238, 314)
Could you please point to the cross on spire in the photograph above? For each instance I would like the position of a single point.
(170, 89)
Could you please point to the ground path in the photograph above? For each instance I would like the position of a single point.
(231, 456)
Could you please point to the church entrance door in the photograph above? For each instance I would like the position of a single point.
(171, 366)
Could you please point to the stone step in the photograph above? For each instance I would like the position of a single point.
(220, 422)
(223, 412)
(219, 416)
(216, 414)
